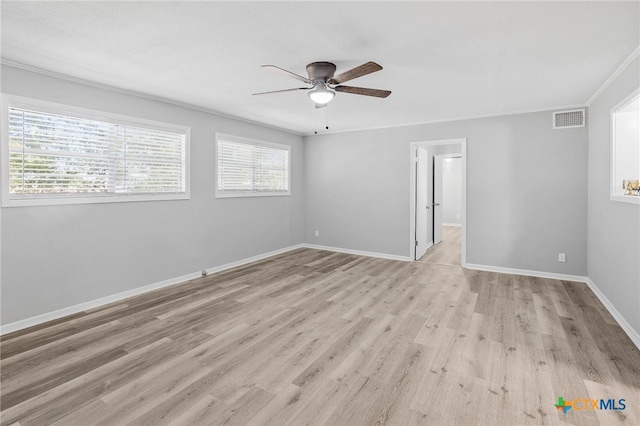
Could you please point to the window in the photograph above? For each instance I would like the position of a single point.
(625, 150)
(55, 154)
(249, 168)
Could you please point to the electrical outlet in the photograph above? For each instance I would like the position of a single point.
(561, 257)
(317, 233)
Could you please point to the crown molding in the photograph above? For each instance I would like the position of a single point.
(613, 76)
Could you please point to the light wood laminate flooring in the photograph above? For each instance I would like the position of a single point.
(315, 337)
(447, 251)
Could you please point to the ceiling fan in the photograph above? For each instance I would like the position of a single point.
(325, 84)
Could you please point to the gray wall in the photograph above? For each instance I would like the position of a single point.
(614, 227)
(526, 198)
(59, 256)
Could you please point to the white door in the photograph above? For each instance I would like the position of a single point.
(437, 198)
(423, 210)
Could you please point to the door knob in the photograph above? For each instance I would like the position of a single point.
(436, 204)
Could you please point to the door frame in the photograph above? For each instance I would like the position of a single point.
(428, 224)
(412, 191)
(438, 175)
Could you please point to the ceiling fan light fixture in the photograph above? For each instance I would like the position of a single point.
(325, 84)
(321, 94)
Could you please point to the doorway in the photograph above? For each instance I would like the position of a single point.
(433, 232)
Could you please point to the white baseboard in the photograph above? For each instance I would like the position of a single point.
(458, 225)
(631, 332)
(252, 259)
(359, 252)
(513, 271)
(49, 316)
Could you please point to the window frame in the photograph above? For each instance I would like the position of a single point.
(248, 141)
(9, 200)
(613, 184)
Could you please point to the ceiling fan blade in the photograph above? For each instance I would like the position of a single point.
(320, 105)
(363, 91)
(280, 91)
(356, 72)
(289, 73)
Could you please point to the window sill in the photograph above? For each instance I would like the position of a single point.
(631, 199)
(97, 199)
(254, 194)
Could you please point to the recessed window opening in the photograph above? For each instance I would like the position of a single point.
(625, 150)
(251, 168)
(61, 155)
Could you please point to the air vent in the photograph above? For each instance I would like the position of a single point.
(568, 119)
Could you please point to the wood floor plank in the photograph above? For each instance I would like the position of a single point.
(57, 402)
(312, 405)
(278, 406)
(547, 320)
(44, 357)
(334, 354)
(42, 384)
(631, 414)
(317, 337)
(131, 402)
(568, 381)
(242, 410)
(398, 339)
(199, 413)
(584, 299)
(89, 414)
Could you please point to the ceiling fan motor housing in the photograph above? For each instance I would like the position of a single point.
(321, 71)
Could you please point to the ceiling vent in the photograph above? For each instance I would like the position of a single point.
(568, 119)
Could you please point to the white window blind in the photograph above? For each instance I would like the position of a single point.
(251, 168)
(60, 156)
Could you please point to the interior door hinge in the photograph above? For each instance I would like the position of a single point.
(416, 243)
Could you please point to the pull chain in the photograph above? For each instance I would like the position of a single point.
(327, 117)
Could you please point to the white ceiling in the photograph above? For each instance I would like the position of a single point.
(442, 60)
